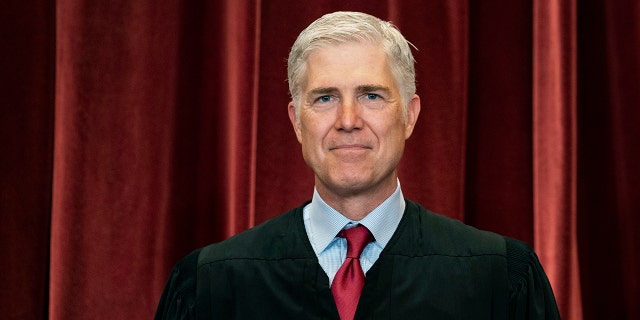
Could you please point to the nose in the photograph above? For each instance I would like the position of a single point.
(349, 116)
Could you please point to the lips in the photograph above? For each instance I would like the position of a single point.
(349, 147)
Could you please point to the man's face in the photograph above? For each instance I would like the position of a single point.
(351, 125)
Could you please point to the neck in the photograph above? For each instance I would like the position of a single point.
(356, 205)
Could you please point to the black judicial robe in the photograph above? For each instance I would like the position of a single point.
(433, 267)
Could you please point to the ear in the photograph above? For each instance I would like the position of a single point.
(413, 110)
(294, 121)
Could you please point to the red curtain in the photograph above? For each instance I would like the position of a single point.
(134, 132)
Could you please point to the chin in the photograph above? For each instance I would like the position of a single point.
(350, 185)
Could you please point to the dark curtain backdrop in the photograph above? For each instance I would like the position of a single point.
(133, 132)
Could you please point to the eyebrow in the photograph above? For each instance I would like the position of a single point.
(373, 88)
(360, 89)
(323, 91)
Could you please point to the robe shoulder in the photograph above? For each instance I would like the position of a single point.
(282, 237)
(278, 238)
(531, 296)
(428, 233)
(178, 298)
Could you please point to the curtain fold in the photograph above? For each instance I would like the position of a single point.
(26, 144)
(608, 174)
(555, 149)
(623, 46)
(133, 133)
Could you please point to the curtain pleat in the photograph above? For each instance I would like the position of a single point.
(555, 149)
(608, 157)
(623, 46)
(242, 48)
(26, 143)
(135, 132)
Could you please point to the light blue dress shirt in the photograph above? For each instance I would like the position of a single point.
(323, 223)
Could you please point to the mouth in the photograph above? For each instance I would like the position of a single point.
(350, 147)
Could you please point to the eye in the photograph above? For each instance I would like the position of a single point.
(372, 100)
(372, 96)
(324, 99)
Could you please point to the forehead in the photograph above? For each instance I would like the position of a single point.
(348, 64)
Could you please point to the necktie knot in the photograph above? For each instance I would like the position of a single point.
(357, 238)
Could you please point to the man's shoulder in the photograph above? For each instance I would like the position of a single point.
(280, 236)
(445, 235)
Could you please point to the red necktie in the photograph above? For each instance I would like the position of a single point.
(349, 280)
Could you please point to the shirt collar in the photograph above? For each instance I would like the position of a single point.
(326, 222)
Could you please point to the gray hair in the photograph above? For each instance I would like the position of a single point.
(342, 27)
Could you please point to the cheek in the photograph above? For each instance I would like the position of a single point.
(393, 138)
(314, 130)
(310, 135)
(311, 143)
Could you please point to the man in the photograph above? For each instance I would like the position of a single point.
(358, 249)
